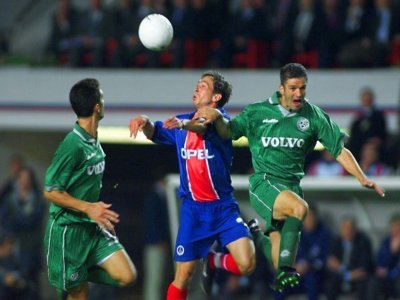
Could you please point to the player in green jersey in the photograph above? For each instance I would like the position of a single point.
(80, 241)
(281, 130)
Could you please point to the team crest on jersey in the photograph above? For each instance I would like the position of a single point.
(303, 124)
(74, 276)
(180, 250)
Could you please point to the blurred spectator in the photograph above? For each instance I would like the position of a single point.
(312, 253)
(246, 25)
(178, 11)
(349, 263)
(126, 25)
(325, 166)
(385, 28)
(368, 126)
(332, 33)
(302, 32)
(157, 255)
(12, 283)
(64, 23)
(370, 162)
(198, 32)
(387, 282)
(4, 46)
(22, 214)
(95, 28)
(15, 164)
(357, 27)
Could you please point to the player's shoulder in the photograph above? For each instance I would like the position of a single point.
(312, 109)
(256, 105)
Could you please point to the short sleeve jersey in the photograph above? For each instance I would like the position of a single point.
(204, 161)
(279, 142)
(77, 168)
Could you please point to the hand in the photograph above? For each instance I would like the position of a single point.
(208, 114)
(102, 215)
(173, 123)
(373, 185)
(137, 124)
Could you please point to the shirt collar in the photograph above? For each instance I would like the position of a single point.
(274, 99)
(78, 130)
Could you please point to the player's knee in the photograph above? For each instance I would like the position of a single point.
(300, 210)
(247, 266)
(128, 279)
(183, 276)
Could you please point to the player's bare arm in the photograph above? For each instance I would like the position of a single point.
(141, 123)
(99, 211)
(194, 125)
(212, 115)
(347, 160)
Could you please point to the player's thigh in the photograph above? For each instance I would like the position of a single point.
(288, 203)
(120, 267)
(243, 252)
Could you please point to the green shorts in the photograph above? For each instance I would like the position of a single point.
(71, 249)
(263, 193)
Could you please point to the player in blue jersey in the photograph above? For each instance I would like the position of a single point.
(209, 212)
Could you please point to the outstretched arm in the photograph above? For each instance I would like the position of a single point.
(194, 125)
(141, 123)
(347, 160)
(212, 115)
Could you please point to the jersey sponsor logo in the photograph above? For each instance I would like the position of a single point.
(96, 169)
(285, 142)
(303, 124)
(270, 121)
(195, 153)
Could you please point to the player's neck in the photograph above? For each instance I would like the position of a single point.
(90, 125)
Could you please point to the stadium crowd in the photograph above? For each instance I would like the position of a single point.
(230, 34)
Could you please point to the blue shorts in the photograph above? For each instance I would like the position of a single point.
(203, 223)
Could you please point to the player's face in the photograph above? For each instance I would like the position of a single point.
(101, 105)
(293, 93)
(203, 94)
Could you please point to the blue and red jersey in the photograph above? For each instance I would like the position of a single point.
(204, 161)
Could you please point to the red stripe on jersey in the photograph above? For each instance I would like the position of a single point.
(198, 171)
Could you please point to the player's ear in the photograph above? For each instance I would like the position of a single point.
(281, 89)
(216, 97)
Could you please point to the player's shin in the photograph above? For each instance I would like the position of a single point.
(290, 237)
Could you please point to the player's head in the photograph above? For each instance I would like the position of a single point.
(86, 98)
(293, 70)
(292, 88)
(221, 86)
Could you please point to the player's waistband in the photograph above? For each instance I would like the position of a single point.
(265, 176)
(226, 199)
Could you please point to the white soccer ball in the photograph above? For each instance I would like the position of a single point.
(155, 32)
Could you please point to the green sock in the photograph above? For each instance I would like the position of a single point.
(263, 244)
(290, 237)
(99, 275)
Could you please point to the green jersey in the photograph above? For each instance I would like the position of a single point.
(279, 140)
(77, 168)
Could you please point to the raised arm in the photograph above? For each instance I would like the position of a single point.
(347, 160)
(212, 115)
(141, 123)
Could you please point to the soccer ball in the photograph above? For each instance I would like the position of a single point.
(155, 32)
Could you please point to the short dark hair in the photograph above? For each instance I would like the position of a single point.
(221, 86)
(293, 70)
(84, 95)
